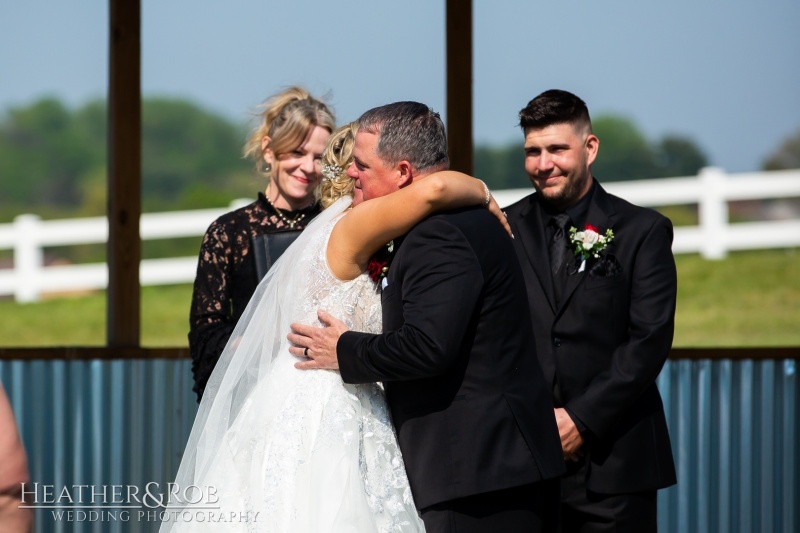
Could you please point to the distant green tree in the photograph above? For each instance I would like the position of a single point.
(188, 153)
(501, 167)
(624, 152)
(53, 160)
(42, 155)
(787, 156)
(678, 156)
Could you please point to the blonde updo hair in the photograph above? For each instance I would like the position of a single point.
(286, 119)
(336, 158)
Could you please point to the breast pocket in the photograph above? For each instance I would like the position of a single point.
(603, 300)
(610, 282)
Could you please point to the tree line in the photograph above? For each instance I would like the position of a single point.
(53, 158)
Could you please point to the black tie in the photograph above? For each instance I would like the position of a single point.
(558, 250)
(558, 244)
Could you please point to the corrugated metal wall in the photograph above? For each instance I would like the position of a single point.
(734, 427)
(101, 423)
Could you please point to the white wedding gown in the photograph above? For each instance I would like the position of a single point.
(287, 450)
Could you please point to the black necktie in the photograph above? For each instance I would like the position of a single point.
(558, 244)
(558, 250)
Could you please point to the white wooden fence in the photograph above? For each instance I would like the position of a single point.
(713, 237)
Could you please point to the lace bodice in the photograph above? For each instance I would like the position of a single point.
(356, 302)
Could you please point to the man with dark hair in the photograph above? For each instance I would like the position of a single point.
(472, 414)
(601, 284)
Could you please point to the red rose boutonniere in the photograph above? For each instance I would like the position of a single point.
(589, 242)
(378, 266)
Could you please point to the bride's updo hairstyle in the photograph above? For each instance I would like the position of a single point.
(338, 155)
(286, 119)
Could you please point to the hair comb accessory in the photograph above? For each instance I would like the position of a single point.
(331, 172)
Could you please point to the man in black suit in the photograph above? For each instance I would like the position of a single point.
(603, 306)
(473, 416)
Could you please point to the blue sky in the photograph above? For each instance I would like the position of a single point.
(724, 73)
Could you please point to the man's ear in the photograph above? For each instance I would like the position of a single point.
(592, 147)
(405, 174)
(269, 157)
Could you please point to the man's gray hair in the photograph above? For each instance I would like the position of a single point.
(408, 131)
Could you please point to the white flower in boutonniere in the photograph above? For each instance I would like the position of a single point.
(589, 242)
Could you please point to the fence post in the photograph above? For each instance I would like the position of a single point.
(713, 213)
(28, 258)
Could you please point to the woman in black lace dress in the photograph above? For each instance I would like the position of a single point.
(286, 147)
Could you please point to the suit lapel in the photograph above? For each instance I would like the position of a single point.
(534, 242)
(599, 214)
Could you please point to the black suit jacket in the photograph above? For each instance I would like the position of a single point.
(602, 349)
(466, 392)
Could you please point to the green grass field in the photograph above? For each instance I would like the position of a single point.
(748, 299)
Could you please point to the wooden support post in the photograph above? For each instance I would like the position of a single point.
(124, 174)
(459, 84)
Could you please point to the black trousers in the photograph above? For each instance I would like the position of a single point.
(584, 511)
(527, 509)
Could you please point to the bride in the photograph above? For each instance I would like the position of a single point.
(270, 440)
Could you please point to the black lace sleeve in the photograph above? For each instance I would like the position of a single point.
(210, 318)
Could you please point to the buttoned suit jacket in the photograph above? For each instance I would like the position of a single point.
(456, 358)
(603, 347)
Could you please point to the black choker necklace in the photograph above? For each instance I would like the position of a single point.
(291, 223)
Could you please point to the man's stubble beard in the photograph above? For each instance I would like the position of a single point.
(567, 196)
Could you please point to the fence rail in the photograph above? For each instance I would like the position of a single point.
(711, 190)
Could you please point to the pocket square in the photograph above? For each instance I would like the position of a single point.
(605, 267)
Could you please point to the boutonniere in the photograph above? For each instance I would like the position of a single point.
(589, 242)
(378, 266)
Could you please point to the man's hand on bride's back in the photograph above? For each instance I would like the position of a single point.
(317, 346)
